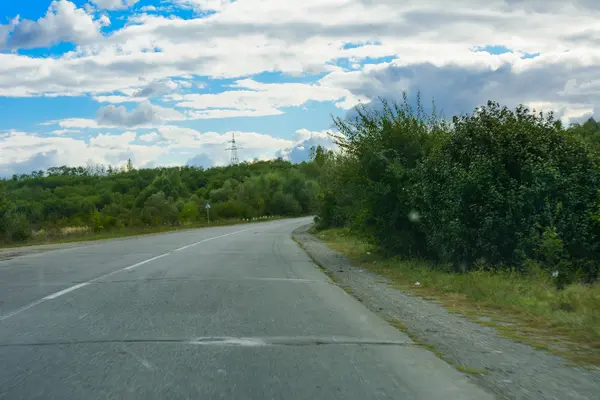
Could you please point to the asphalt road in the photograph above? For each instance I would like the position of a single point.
(236, 312)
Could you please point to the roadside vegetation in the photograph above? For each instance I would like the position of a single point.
(495, 214)
(66, 204)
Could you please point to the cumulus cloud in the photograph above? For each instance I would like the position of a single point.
(305, 141)
(63, 22)
(201, 160)
(25, 152)
(113, 141)
(150, 137)
(156, 88)
(181, 137)
(264, 98)
(61, 132)
(542, 84)
(204, 5)
(116, 99)
(145, 114)
(114, 4)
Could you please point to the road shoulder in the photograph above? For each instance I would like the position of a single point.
(509, 369)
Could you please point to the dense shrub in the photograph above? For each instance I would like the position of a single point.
(496, 187)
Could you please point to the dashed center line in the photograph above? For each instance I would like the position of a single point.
(83, 284)
(143, 262)
(65, 291)
(209, 239)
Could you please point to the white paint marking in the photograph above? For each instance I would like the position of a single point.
(65, 291)
(80, 285)
(209, 239)
(144, 262)
(27, 307)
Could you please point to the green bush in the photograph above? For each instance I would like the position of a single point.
(498, 188)
(501, 183)
(19, 230)
(383, 150)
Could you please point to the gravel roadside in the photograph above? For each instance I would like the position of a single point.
(12, 252)
(512, 370)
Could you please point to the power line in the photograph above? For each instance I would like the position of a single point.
(234, 149)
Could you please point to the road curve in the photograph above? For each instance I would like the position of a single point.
(237, 312)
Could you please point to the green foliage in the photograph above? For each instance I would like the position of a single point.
(105, 199)
(13, 224)
(159, 210)
(379, 177)
(496, 188)
(190, 211)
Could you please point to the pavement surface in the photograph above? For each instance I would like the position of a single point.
(237, 312)
(511, 370)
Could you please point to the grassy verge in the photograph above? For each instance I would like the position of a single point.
(525, 308)
(125, 232)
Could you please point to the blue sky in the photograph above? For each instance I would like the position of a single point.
(163, 81)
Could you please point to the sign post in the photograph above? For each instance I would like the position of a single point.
(207, 206)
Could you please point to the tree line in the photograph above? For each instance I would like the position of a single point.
(104, 199)
(495, 189)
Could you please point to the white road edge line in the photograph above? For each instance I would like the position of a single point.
(80, 285)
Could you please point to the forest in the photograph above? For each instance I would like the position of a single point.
(79, 201)
(496, 189)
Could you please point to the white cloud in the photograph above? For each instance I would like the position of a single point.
(548, 80)
(263, 98)
(156, 88)
(305, 141)
(145, 114)
(24, 152)
(116, 99)
(201, 160)
(104, 20)
(180, 137)
(114, 4)
(204, 5)
(61, 132)
(150, 137)
(71, 123)
(113, 141)
(231, 113)
(63, 22)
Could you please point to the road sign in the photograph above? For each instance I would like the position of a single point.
(207, 206)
